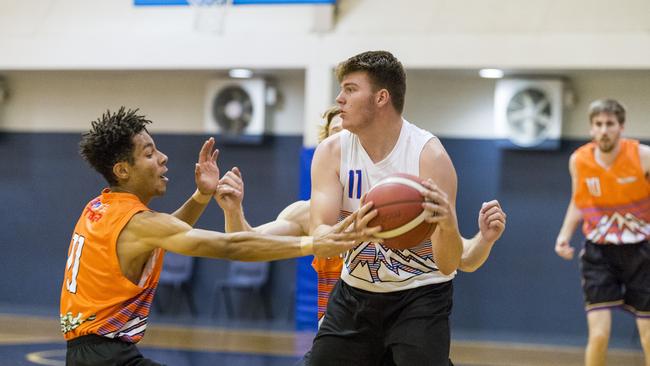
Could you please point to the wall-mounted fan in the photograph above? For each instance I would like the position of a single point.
(529, 112)
(236, 109)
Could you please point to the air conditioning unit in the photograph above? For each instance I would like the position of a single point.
(236, 109)
(528, 112)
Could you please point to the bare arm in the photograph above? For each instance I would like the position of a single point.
(326, 189)
(446, 242)
(149, 230)
(292, 221)
(206, 176)
(572, 218)
(492, 223)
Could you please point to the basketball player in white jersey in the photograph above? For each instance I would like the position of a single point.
(390, 303)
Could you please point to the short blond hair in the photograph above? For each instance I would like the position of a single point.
(328, 116)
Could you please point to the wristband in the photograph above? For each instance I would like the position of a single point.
(200, 197)
(306, 245)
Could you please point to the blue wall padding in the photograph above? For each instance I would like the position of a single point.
(306, 279)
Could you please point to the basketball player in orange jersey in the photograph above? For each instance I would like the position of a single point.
(117, 248)
(610, 180)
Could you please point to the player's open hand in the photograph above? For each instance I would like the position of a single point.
(348, 233)
(206, 171)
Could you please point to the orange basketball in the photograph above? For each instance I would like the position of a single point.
(398, 201)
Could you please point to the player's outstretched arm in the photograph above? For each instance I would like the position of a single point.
(149, 230)
(206, 176)
(446, 242)
(492, 224)
(572, 218)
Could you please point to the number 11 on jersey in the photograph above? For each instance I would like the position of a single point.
(73, 261)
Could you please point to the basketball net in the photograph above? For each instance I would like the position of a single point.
(210, 15)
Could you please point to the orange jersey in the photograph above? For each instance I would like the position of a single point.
(329, 272)
(96, 298)
(614, 201)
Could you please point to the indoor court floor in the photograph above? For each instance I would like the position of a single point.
(27, 340)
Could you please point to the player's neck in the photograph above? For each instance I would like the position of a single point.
(123, 189)
(379, 139)
(606, 159)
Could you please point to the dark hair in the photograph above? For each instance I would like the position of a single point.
(610, 106)
(110, 140)
(384, 70)
(328, 116)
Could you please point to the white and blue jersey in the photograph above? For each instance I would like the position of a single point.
(370, 266)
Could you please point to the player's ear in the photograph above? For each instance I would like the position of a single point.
(383, 97)
(121, 170)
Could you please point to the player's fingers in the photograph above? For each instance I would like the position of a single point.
(204, 153)
(227, 181)
(362, 221)
(439, 214)
(495, 216)
(227, 189)
(230, 176)
(215, 156)
(432, 187)
(236, 171)
(486, 206)
(345, 223)
(497, 225)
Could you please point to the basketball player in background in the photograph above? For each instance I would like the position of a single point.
(610, 180)
(117, 248)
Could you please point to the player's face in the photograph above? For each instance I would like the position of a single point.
(605, 131)
(357, 101)
(336, 125)
(147, 174)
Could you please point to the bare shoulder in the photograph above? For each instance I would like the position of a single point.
(434, 149)
(644, 154)
(572, 162)
(330, 146)
(644, 150)
(434, 160)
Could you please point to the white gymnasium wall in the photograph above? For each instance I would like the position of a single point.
(450, 103)
(174, 100)
(460, 104)
(65, 60)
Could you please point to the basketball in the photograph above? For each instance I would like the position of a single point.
(398, 202)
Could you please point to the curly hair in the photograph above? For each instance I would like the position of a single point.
(384, 70)
(110, 140)
(328, 116)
